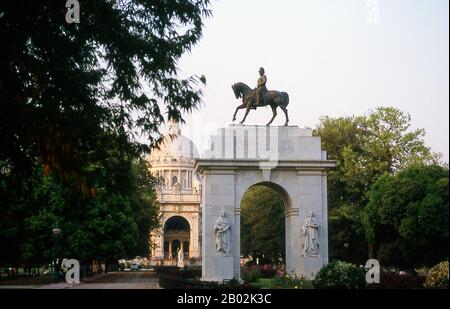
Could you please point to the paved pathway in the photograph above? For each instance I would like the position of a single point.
(113, 280)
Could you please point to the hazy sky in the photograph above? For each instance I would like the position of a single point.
(333, 57)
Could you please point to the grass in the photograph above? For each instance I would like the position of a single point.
(263, 283)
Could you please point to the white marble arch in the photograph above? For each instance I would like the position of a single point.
(289, 160)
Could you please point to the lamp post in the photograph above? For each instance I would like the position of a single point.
(346, 245)
(56, 231)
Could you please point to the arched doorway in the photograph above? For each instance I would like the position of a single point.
(176, 236)
(263, 227)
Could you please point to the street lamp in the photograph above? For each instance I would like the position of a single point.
(56, 231)
(346, 245)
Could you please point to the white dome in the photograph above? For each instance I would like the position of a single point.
(174, 151)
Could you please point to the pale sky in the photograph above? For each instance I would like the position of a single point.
(333, 57)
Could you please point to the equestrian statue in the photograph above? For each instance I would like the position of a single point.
(260, 96)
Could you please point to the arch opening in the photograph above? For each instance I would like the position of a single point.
(263, 225)
(287, 202)
(176, 236)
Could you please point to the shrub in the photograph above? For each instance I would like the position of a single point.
(268, 272)
(166, 269)
(438, 277)
(250, 274)
(285, 281)
(193, 261)
(340, 275)
(191, 272)
(398, 280)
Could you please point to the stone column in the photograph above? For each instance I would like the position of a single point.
(324, 226)
(193, 238)
(158, 241)
(218, 196)
(311, 198)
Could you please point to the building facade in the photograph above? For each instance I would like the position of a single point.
(179, 196)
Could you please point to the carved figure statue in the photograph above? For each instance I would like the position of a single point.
(222, 230)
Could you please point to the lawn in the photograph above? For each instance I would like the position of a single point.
(263, 284)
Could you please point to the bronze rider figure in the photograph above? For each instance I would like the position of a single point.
(261, 89)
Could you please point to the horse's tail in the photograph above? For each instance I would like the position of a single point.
(285, 98)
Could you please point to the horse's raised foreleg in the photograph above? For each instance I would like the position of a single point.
(286, 114)
(246, 113)
(274, 111)
(237, 109)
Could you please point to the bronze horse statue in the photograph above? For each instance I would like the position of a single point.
(272, 98)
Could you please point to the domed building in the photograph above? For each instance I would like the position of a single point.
(179, 197)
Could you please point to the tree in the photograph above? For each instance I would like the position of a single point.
(365, 148)
(263, 225)
(407, 217)
(147, 218)
(114, 223)
(62, 85)
(76, 98)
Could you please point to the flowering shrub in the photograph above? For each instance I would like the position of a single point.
(340, 275)
(267, 271)
(285, 281)
(438, 277)
(391, 279)
(250, 274)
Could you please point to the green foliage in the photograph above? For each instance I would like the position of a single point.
(346, 222)
(437, 278)
(287, 281)
(365, 148)
(407, 217)
(262, 225)
(192, 272)
(64, 85)
(107, 226)
(340, 275)
(250, 274)
(394, 279)
(145, 206)
(78, 99)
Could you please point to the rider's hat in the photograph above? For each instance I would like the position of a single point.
(261, 69)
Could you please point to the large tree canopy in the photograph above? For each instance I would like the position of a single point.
(365, 148)
(76, 100)
(62, 84)
(115, 223)
(407, 217)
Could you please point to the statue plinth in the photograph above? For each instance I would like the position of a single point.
(274, 143)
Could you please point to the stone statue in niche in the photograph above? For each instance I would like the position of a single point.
(222, 230)
(176, 187)
(180, 258)
(310, 232)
